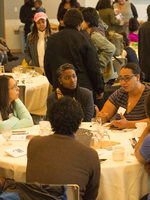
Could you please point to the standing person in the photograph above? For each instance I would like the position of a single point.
(37, 41)
(63, 7)
(106, 13)
(127, 10)
(38, 6)
(12, 111)
(60, 158)
(105, 49)
(71, 46)
(67, 86)
(144, 47)
(26, 16)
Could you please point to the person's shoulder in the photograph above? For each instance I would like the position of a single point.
(88, 151)
(85, 91)
(18, 101)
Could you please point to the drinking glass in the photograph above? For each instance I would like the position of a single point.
(6, 133)
(44, 128)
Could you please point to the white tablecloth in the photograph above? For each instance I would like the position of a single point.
(124, 180)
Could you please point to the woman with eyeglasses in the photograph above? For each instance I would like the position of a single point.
(67, 86)
(12, 110)
(126, 103)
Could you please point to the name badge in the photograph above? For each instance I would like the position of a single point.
(121, 110)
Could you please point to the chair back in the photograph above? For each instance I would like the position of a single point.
(38, 191)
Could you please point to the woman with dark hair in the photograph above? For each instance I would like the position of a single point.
(128, 101)
(133, 29)
(106, 13)
(67, 86)
(63, 7)
(12, 110)
(130, 52)
(37, 41)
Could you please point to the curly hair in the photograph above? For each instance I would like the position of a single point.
(91, 17)
(133, 24)
(72, 2)
(4, 96)
(65, 115)
(34, 34)
(147, 105)
(73, 18)
(102, 4)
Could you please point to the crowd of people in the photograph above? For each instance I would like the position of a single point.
(75, 61)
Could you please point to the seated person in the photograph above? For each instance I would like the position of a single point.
(60, 158)
(12, 110)
(67, 86)
(130, 96)
(130, 53)
(6, 52)
(133, 29)
(142, 150)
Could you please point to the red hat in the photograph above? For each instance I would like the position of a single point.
(40, 15)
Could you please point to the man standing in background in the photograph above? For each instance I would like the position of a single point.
(144, 47)
(26, 16)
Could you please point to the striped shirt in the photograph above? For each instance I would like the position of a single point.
(120, 99)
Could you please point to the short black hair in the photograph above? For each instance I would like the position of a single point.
(73, 18)
(65, 115)
(91, 17)
(133, 24)
(63, 68)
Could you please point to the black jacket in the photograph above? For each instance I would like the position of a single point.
(26, 15)
(72, 46)
(144, 47)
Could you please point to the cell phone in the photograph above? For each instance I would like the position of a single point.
(133, 142)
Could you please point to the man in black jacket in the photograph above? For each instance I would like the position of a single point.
(26, 16)
(144, 47)
(72, 46)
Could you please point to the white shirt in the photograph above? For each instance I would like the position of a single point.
(41, 49)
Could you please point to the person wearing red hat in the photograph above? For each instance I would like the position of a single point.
(37, 40)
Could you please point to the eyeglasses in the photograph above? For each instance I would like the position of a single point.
(126, 78)
(14, 87)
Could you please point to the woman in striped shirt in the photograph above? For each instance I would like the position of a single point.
(126, 103)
